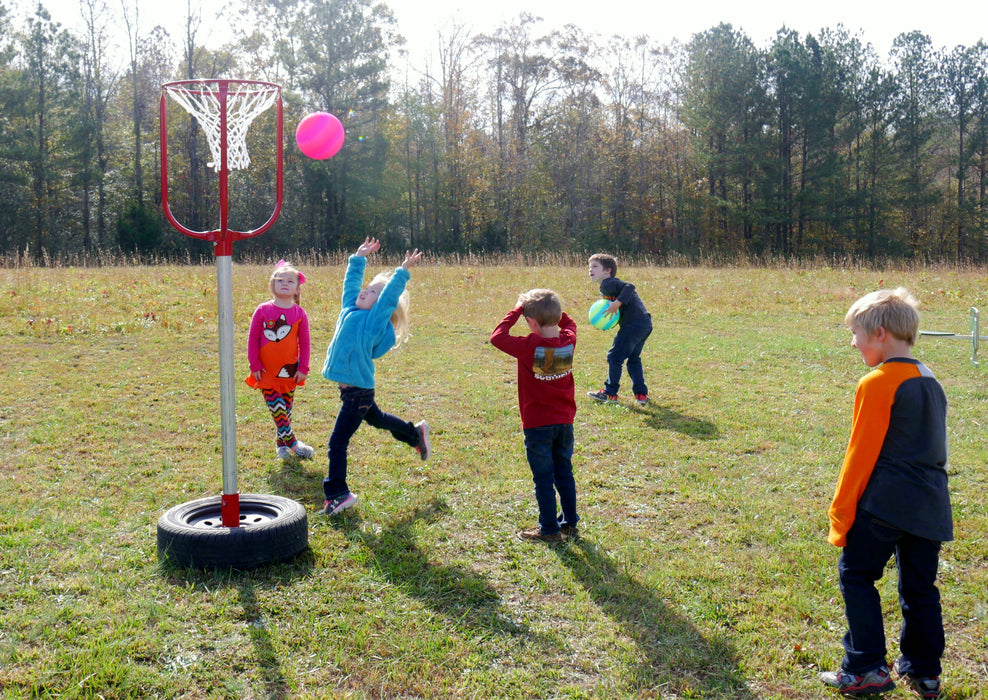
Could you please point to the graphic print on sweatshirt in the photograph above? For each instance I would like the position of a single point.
(550, 364)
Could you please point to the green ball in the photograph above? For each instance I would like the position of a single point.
(600, 319)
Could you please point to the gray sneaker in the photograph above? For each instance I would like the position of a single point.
(926, 687)
(875, 682)
(284, 452)
(303, 451)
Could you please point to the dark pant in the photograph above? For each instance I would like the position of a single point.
(357, 406)
(870, 544)
(627, 347)
(550, 455)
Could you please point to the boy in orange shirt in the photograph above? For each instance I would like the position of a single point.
(891, 499)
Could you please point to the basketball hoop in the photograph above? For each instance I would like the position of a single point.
(203, 99)
(224, 109)
(223, 531)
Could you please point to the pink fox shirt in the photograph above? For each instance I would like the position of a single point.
(278, 344)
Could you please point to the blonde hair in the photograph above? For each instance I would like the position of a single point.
(285, 267)
(399, 317)
(542, 306)
(895, 310)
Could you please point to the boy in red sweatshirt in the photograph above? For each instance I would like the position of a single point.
(546, 400)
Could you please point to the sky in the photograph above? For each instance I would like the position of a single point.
(948, 23)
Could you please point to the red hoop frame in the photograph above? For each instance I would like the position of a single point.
(222, 237)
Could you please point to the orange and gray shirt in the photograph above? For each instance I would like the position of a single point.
(895, 467)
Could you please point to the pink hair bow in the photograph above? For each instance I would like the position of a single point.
(301, 277)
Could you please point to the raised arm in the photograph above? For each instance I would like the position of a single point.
(411, 257)
(370, 245)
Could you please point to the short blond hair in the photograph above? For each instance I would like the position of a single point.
(541, 305)
(895, 310)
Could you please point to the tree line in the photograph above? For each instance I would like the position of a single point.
(519, 139)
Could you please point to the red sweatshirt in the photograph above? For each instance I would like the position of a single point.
(545, 371)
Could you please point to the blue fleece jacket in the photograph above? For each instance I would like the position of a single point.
(362, 335)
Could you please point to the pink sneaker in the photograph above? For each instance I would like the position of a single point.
(339, 504)
(423, 446)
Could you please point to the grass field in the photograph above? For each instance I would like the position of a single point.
(703, 570)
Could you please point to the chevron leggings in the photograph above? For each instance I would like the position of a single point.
(280, 406)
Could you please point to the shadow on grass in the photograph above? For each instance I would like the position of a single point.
(296, 478)
(247, 583)
(455, 592)
(678, 658)
(659, 417)
(276, 686)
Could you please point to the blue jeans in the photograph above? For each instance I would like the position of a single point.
(550, 455)
(870, 544)
(357, 406)
(627, 347)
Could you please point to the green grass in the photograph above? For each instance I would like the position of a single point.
(703, 571)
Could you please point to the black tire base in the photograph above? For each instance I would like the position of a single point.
(272, 529)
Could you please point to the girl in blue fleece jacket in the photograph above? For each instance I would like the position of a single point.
(371, 322)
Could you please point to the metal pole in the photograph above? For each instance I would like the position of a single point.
(230, 501)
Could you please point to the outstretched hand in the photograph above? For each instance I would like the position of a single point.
(370, 245)
(411, 257)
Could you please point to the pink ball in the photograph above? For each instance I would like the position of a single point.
(320, 135)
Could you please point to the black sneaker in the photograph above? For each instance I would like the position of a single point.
(924, 686)
(874, 682)
(602, 396)
(568, 531)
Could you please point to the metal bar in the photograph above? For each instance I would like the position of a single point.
(228, 414)
(974, 336)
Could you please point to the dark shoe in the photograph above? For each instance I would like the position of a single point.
(874, 682)
(924, 686)
(336, 505)
(569, 532)
(423, 446)
(602, 396)
(536, 534)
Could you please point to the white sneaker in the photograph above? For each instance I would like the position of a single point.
(284, 452)
(303, 451)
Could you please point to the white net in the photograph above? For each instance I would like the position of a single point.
(243, 105)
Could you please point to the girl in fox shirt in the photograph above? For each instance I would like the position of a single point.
(278, 354)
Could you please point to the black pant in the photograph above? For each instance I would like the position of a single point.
(870, 544)
(358, 406)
